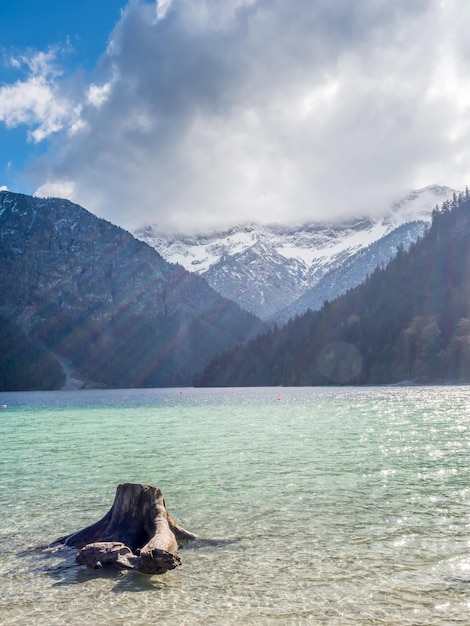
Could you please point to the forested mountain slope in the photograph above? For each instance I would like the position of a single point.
(76, 286)
(409, 321)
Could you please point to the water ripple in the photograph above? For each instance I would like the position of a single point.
(329, 506)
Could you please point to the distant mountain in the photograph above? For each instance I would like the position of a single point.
(409, 321)
(344, 275)
(280, 271)
(81, 291)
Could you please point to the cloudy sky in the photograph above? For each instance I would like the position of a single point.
(191, 114)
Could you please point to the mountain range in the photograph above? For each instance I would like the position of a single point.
(408, 322)
(85, 303)
(81, 293)
(277, 271)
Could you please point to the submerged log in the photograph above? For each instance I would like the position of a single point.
(137, 533)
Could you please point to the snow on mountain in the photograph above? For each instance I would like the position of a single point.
(343, 274)
(419, 204)
(276, 271)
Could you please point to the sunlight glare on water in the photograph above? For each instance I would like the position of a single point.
(313, 505)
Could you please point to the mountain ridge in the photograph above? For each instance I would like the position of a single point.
(89, 292)
(408, 322)
(273, 270)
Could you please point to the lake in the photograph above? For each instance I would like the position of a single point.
(344, 506)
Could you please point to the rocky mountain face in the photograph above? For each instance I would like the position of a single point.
(106, 303)
(278, 271)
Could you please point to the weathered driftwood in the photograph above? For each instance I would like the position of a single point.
(137, 533)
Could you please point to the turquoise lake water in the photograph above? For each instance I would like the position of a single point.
(313, 505)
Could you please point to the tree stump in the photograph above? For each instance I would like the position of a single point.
(137, 533)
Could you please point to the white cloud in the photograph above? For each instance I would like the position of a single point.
(227, 110)
(37, 101)
(57, 189)
(98, 94)
(163, 7)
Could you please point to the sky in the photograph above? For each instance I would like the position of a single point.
(199, 114)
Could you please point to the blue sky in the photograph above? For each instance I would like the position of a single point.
(78, 28)
(189, 114)
(86, 23)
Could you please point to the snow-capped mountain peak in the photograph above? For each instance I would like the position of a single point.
(267, 268)
(419, 204)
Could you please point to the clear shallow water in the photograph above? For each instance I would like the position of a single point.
(314, 506)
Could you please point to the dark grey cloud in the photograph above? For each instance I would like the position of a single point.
(268, 110)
